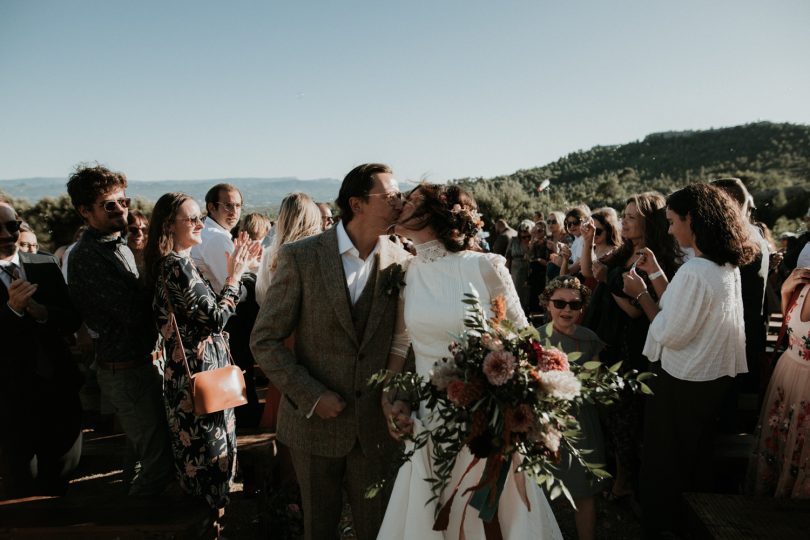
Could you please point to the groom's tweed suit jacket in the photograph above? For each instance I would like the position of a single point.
(308, 299)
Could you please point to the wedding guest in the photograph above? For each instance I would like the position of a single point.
(223, 206)
(538, 260)
(556, 224)
(623, 327)
(137, 229)
(696, 342)
(256, 225)
(298, 217)
(326, 215)
(503, 237)
(574, 218)
(40, 411)
(204, 446)
(517, 260)
(778, 465)
(557, 240)
(565, 299)
(104, 285)
(27, 242)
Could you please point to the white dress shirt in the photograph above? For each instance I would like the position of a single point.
(699, 334)
(357, 270)
(209, 255)
(6, 277)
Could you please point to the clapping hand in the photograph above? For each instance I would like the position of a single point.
(633, 284)
(587, 230)
(20, 293)
(646, 261)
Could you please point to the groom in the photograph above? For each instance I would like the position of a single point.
(336, 293)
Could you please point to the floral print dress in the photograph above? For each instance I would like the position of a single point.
(204, 446)
(780, 466)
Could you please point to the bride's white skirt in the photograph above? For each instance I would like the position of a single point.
(408, 518)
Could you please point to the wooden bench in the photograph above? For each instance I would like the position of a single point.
(738, 517)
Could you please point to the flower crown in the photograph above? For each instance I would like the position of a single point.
(467, 220)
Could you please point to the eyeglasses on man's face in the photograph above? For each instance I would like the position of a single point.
(391, 197)
(112, 204)
(194, 220)
(575, 305)
(11, 226)
(230, 207)
(29, 245)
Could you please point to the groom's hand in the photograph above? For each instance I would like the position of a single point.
(330, 405)
(398, 417)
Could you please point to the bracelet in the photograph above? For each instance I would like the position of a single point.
(656, 275)
(639, 295)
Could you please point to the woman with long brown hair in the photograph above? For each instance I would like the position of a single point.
(623, 326)
(204, 446)
(696, 342)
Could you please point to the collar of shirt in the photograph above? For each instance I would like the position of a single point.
(14, 260)
(355, 269)
(211, 223)
(6, 277)
(101, 238)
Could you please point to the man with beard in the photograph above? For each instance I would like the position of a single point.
(40, 442)
(105, 286)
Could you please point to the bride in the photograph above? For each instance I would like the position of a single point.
(442, 222)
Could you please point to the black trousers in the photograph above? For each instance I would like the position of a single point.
(679, 425)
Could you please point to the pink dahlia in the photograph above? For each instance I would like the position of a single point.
(552, 360)
(499, 366)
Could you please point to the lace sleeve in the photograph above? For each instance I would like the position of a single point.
(499, 282)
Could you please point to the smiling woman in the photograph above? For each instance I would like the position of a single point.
(204, 446)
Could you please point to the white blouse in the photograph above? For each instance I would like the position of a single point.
(699, 333)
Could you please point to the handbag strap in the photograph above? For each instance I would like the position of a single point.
(173, 320)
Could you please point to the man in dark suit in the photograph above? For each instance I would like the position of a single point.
(40, 411)
(337, 294)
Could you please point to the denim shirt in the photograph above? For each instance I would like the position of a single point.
(104, 285)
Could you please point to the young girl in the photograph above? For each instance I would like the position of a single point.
(565, 299)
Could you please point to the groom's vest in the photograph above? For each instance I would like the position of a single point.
(362, 308)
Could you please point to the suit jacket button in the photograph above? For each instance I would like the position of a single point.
(358, 393)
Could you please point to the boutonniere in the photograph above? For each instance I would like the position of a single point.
(393, 279)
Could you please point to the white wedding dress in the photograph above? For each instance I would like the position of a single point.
(435, 283)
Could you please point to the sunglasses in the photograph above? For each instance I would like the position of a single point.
(230, 207)
(194, 220)
(391, 197)
(137, 230)
(573, 223)
(11, 226)
(552, 221)
(598, 231)
(575, 305)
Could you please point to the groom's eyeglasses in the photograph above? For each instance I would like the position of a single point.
(391, 197)
(575, 305)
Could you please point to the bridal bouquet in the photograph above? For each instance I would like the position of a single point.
(508, 396)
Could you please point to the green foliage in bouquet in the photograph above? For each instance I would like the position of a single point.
(508, 396)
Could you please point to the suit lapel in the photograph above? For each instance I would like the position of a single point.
(380, 299)
(334, 281)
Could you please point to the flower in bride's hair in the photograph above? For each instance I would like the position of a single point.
(559, 384)
(499, 367)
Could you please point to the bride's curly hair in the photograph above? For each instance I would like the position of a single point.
(451, 212)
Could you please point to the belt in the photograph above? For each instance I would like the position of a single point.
(156, 355)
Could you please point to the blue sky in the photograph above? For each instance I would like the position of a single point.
(442, 88)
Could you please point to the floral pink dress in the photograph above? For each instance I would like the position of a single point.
(780, 466)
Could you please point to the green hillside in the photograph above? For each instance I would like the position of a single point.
(772, 159)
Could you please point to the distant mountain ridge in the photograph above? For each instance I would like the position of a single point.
(258, 192)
